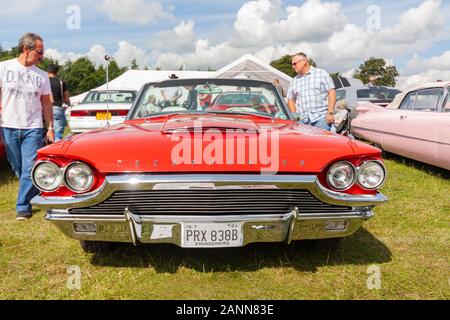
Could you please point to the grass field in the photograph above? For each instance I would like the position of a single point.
(407, 243)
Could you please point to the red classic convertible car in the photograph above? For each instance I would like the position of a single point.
(208, 176)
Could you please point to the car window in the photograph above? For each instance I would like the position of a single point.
(377, 93)
(408, 101)
(110, 96)
(340, 94)
(427, 100)
(446, 107)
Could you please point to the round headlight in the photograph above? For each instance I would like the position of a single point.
(341, 175)
(47, 176)
(78, 177)
(371, 175)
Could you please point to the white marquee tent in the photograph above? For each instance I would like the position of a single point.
(254, 68)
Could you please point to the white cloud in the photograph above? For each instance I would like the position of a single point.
(418, 64)
(419, 70)
(259, 22)
(123, 56)
(202, 57)
(312, 21)
(416, 23)
(128, 52)
(431, 75)
(134, 11)
(181, 38)
(17, 9)
(62, 57)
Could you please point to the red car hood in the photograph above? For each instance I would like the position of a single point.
(172, 143)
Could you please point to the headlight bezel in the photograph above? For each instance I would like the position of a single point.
(67, 184)
(359, 171)
(353, 181)
(43, 162)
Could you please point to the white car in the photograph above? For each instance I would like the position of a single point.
(101, 108)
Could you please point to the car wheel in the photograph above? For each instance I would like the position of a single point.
(326, 244)
(95, 246)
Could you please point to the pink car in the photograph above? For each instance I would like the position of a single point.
(415, 125)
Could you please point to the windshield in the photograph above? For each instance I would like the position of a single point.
(209, 96)
(377, 93)
(116, 96)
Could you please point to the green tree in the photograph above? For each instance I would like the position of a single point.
(376, 67)
(46, 62)
(134, 65)
(80, 75)
(335, 74)
(8, 54)
(115, 70)
(284, 64)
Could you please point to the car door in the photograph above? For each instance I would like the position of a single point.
(444, 133)
(392, 137)
(419, 126)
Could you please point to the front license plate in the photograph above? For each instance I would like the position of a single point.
(212, 235)
(103, 116)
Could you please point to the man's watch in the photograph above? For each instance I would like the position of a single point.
(330, 113)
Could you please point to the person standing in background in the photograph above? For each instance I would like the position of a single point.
(311, 94)
(60, 100)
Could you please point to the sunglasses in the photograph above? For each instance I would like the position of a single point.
(294, 63)
(40, 52)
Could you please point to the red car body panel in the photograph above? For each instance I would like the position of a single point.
(147, 146)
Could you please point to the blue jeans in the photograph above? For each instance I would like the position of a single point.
(21, 151)
(321, 123)
(59, 122)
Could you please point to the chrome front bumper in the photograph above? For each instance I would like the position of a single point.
(134, 228)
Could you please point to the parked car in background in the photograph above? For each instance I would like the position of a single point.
(207, 178)
(100, 108)
(415, 125)
(379, 95)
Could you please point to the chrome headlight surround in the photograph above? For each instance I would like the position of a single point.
(72, 171)
(345, 168)
(52, 171)
(365, 169)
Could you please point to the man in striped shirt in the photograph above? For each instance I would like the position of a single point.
(311, 93)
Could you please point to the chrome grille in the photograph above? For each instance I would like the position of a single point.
(211, 202)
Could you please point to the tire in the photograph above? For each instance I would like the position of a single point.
(326, 244)
(95, 246)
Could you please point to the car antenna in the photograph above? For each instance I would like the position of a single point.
(107, 58)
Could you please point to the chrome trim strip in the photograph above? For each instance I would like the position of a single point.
(147, 182)
(400, 135)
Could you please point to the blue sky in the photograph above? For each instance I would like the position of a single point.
(204, 33)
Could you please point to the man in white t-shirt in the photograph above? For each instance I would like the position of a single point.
(24, 101)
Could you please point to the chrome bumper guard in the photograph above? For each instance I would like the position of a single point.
(134, 228)
(137, 229)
